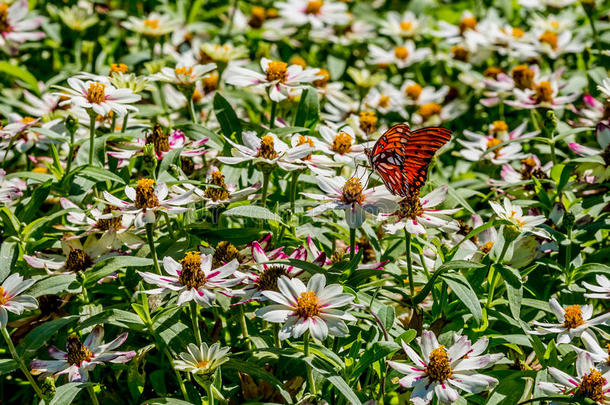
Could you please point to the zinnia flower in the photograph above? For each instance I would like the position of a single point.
(11, 300)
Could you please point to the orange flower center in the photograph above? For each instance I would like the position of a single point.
(487, 247)
(305, 140)
(153, 24)
(4, 25)
(550, 38)
(107, 224)
(410, 207)
(184, 71)
(413, 91)
(225, 252)
(267, 149)
(352, 191)
(406, 25)
(27, 120)
(77, 351)
(297, 60)
(523, 77)
(191, 275)
(277, 71)
(145, 194)
(401, 52)
(384, 101)
(323, 80)
(460, 53)
(118, 68)
(439, 367)
(499, 126)
(96, 93)
(544, 92)
(429, 110)
(308, 305)
(518, 32)
(573, 317)
(467, 23)
(218, 193)
(159, 139)
(592, 386)
(314, 6)
(268, 278)
(77, 261)
(342, 143)
(3, 298)
(368, 121)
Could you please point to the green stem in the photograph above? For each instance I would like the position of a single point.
(192, 110)
(273, 112)
(151, 244)
(491, 277)
(266, 177)
(310, 380)
(352, 242)
(293, 189)
(244, 326)
(91, 136)
(70, 153)
(276, 336)
(124, 126)
(10, 147)
(168, 224)
(208, 390)
(113, 125)
(21, 364)
(409, 262)
(589, 13)
(92, 395)
(534, 119)
(231, 17)
(194, 318)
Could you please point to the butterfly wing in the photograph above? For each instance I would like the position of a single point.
(401, 157)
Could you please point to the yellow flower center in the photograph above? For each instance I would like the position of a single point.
(118, 68)
(277, 71)
(513, 215)
(225, 252)
(268, 278)
(555, 24)
(267, 149)
(159, 139)
(492, 72)
(413, 91)
(77, 261)
(467, 23)
(401, 52)
(406, 25)
(550, 38)
(523, 77)
(410, 207)
(608, 359)
(491, 142)
(108, 224)
(257, 17)
(518, 32)
(384, 101)
(544, 92)
(145, 194)
(77, 351)
(305, 140)
(210, 83)
(337, 256)
(27, 120)
(487, 247)
(3, 298)
(439, 368)
(297, 60)
(184, 71)
(429, 110)
(573, 317)
(368, 121)
(308, 305)
(96, 93)
(202, 364)
(219, 193)
(323, 80)
(499, 126)
(342, 143)
(352, 191)
(191, 275)
(460, 53)
(153, 23)
(314, 6)
(4, 25)
(592, 386)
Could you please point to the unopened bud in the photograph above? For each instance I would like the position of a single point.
(48, 388)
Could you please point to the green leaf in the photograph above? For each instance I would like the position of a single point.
(165, 401)
(376, 352)
(55, 285)
(308, 111)
(258, 371)
(336, 66)
(452, 265)
(515, 297)
(8, 255)
(387, 314)
(10, 223)
(33, 227)
(7, 365)
(406, 337)
(229, 123)
(465, 293)
(117, 317)
(65, 394)
(40, 194)
(112, 264)
(344, 389)
(39, 335)
(21, 74)
(98, 174)
(253, 211)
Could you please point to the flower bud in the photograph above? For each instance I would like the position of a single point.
(71, 124)
(48, 388)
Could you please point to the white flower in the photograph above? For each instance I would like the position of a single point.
(350, 196)
(15, 29)
(318, 13)
(416, 213)
(81, 357)
(318, 164)
(605, 87)
(154, 25)
(11, 190)
(540, 4)
(487, 147)
(147, 199)
(408, 25)
(224, 53)
(514, 214)
(554, 45)
(418, 95)
(599, 355)
(574, 321)
(99, 96)
(339, 141)
(385, 99)
(589, 382)
(11, 301)
(278, 76)
(596, 160)
(203, 359)
(183, 75)
(402, 56)
(599, 291)
(439, 371)
(314, 307)
(193, 278)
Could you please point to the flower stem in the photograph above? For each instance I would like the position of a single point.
(194, 315)
(70, 153)
(352, 242)
(21, 364)
(276, 336)
(266, 177)
(124, 126)
(151, 244)
(293, 189)
(273, 112)
(91, 136)
(244, 326)
(208, 390)
(192, 110)
(491, 277)
(409, 263)
(310, 380)
(589, 13)
(92, 395)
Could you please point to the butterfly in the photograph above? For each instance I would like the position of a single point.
(401, 156)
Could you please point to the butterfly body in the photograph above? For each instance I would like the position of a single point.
(401, 157)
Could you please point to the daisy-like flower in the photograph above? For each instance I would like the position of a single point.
(574, 321)
(419, 95)
(416, 213)
(407, 25)
(15, 28)
(350, 196)
(486, 147)
(530, 168)
(318, 13)
(82, 357)
(11, 298)
(402, 56)
(599, 355)
(605, 87)
(441, 372)
(268, 149)
(599, 291)
(148, 198)
(223, 54)
(364, 124)
(543, 93)
(11, 190)
(514, 214)
(153, 26)
(385, 99)
(592, 112)
(98, 96)
(278, 77)
(183, 76)
(202, 360)
(264, 276)
(434, 114)
(554, 45)
(588, 383)
(340, 142)
(193, 278)
(318, 164)
(314, 308)
(597, 161)
(319, 257)
(220, 193)
(541, 4)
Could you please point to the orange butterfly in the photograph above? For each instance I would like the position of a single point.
(401, 156)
